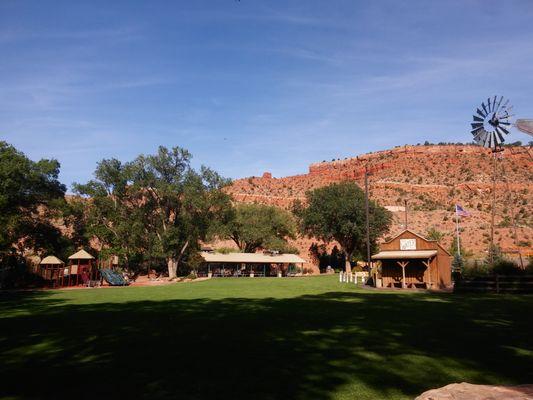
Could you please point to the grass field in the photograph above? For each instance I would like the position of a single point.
(263, 338)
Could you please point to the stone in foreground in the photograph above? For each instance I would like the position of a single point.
(467, 391)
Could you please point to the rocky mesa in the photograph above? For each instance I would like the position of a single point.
(429, 180)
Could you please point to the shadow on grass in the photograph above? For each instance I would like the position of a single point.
(371, 345)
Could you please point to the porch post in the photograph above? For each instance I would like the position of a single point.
(427, 264)
(403, 264)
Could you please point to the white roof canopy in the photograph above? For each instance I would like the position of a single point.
(252, 258)
(404, 254)
(81, 255)
(51, 260)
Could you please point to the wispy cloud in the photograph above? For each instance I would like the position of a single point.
(118, 33)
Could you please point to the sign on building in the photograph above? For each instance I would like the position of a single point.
(407, 244)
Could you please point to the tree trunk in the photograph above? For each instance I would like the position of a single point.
(347, 265)
(172, 265)
(172, 262)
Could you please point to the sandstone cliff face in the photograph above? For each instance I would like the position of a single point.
(432, 179)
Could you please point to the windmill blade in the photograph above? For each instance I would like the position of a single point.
(490, 108)
(499, 103)
(476, 118)
(483, 115)
(476, 124)
(477, 130)
(480, 135)
(503, 129)
(499, 136)
(503, 122)
(486, 141)
(484, 108)
(494, 103)
(489, 142)
(483, 139)
(495, 139)
(506, 112)
(525, 125)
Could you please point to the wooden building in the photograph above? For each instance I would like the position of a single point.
(412, 261)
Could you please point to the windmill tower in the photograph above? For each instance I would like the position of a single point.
(491, 124)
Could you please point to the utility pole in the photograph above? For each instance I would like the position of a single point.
(457, 231)
(367, 219)
(405, 211)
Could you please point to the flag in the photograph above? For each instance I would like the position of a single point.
(460, 211)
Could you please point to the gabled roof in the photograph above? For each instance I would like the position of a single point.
(410, 231)
(252, 258)
(418, 236)
(51, 260)
(81, 255)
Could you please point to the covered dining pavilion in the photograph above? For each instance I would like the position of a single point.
(250, 264)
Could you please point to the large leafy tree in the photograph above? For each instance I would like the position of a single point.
(337, 213)
(257, 226)
(114, 213)
(30, 194)
(156, 204)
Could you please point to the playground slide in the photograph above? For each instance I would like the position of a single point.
(113, 278)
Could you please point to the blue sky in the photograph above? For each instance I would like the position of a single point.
(251, 86)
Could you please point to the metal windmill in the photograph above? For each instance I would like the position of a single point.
(491, 124)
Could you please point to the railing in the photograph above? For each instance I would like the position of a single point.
(496, 284)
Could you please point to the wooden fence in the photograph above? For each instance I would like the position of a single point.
(496, 284)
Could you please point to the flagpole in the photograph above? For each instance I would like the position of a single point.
(457, 230)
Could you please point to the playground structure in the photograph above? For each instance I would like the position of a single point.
(52, 270)
(82, 269)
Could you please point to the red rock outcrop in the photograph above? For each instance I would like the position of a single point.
(431, 179)
(467, 391)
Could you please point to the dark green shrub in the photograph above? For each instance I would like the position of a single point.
(506, 267)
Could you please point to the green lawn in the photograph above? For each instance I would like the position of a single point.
(262, 338)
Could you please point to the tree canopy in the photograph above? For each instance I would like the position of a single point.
(30, 193)
(337, 212)
(258, 226)
(156, 204)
